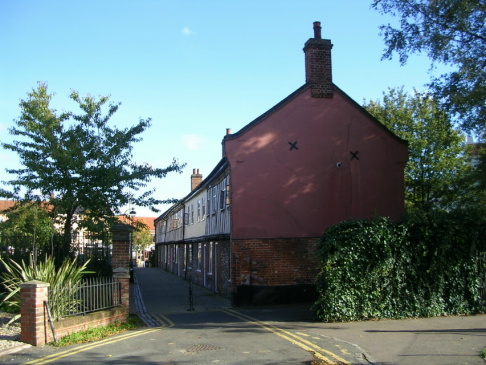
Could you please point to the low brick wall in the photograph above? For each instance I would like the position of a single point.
(70, 325)
(35, 327)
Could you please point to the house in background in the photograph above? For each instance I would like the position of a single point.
(140, 257)
(5, 205)
(249, 229)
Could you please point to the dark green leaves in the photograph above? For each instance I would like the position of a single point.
(78, 161)
(424, 266)
(451, 32)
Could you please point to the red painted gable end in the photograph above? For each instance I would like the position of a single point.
(311, 163)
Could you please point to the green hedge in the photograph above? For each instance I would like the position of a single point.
(424, 266)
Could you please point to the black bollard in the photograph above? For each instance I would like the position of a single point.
(191, 298)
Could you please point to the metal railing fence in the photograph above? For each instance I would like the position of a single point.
(91, 295)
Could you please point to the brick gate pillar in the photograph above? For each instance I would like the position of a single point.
(33, 320)
(122, 234)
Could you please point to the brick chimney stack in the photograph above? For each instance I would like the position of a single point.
(318, 70)
(196, 179)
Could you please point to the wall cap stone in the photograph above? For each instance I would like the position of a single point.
(35, 284)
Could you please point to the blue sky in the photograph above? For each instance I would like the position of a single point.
(194, 67)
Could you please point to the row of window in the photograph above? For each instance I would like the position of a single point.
(217, 197)
(211, 201)
(188, 258)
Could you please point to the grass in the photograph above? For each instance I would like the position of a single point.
(483, 353)
(98, 333)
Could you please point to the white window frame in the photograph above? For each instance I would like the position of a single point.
(210, 260)
(198, 210)
(203, 208)
(199, 256)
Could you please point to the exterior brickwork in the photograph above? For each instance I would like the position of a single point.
(318, 65)
(206, 264)
(285, 261)
(33, 295)
(35, 327)
(121, 246)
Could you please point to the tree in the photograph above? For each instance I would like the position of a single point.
(451, 32)
(29, 224)
(438, 167)
(77, 162)
(142, 239)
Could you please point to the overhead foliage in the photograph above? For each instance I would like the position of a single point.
(78, 162)
(449, 32)
(438, 173)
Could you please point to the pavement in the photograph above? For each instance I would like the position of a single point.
(189, 324)
(437, 340)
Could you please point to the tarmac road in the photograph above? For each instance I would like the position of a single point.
(216, 333)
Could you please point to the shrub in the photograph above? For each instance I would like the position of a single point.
(61, 280)
(424, 266)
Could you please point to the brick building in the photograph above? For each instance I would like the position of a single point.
(249, 229)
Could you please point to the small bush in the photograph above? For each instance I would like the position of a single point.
(66, 277)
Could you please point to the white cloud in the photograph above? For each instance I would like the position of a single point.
(192, 142)
(187, 31)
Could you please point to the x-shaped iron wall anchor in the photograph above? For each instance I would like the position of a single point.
(293, 146)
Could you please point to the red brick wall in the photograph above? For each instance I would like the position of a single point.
(282, 261)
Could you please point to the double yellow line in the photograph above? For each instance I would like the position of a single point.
(77, 350)
(320, 353)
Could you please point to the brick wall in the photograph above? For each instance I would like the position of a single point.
(35, 327)
(318, 64)
(274, 270)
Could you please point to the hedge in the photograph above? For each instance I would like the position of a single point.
(426, 265)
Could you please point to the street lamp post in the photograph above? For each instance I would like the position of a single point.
(130, 214)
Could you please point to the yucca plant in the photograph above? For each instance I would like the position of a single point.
(63, 283)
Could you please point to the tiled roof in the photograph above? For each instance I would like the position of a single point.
(149, 221)
(6, 204)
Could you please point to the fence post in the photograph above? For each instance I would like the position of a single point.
(33, 322)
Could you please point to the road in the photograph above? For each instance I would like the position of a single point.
(216, 333)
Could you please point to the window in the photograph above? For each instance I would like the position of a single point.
(203, 208)
(199, 255)
(227, 191)
(186, 219)
(222, 198)
(192, 213)
(189, 261)
(210, 264)
(209, 201)
(199, 210)
(184, 257)
(215, 198)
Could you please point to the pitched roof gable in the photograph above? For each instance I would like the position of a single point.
(294, 95)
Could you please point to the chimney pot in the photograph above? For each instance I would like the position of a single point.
(317, 30)
(228, 131)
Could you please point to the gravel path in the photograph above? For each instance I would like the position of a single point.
(9, 334)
